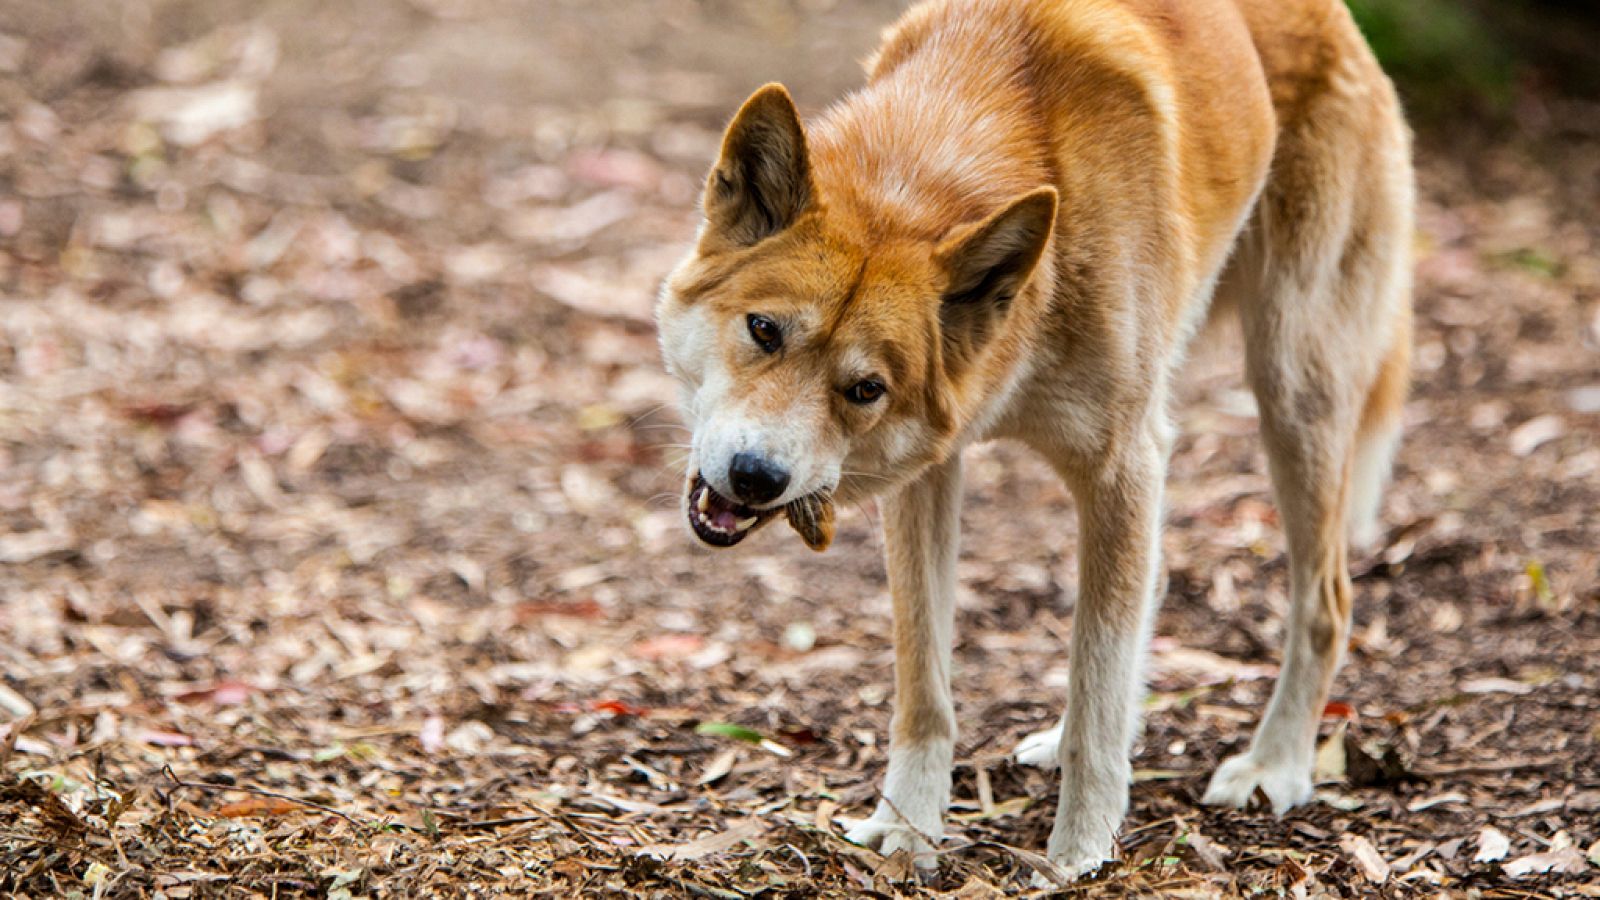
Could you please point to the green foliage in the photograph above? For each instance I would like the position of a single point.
(1441, 53)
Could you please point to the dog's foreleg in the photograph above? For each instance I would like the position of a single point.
(921, 525)
(1120, 511)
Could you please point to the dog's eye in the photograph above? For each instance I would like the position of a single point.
(768, 336)
(863, 392)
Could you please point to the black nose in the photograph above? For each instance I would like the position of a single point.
(755, 480)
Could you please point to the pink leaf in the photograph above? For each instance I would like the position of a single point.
(668, 646)
(223, 693)
(431, 736)
(167, 739)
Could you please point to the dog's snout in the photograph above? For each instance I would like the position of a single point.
(756, 480)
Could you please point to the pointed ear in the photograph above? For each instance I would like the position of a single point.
(762, 181)
(988, 263)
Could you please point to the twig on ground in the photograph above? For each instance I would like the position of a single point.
(263, 792)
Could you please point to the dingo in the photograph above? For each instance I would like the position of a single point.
(1012, 231)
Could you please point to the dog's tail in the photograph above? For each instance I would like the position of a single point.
(1378, 436)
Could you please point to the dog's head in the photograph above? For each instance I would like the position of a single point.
(820, 353)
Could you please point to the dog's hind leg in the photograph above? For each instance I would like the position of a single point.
(1324, 339)
(1378, 436)
(921, 525)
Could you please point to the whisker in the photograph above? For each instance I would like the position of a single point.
(876, 533)
(633, 422)
(854, 474)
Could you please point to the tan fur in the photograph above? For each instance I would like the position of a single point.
(1017, 225)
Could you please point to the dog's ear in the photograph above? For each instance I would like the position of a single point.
(987, 263)
(762, 181)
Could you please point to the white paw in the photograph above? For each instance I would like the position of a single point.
(916, 790)
(1062, 874)
(1042, 749)
(887, 833)
(1286, 784)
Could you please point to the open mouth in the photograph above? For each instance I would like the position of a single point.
(719, 521)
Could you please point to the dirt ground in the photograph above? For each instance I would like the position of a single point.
(339, 544)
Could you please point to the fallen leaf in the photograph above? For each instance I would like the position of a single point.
(1439, 800)
(1584, 399)
(1202, 667)
(729, 730)
(251, 807)
(657, 780)
(741, 733)
(1495, 686)
(1336, 709)
(1141, 776)
(1493, 845)
(623, 803)
(28, 546)
(191, 115)
(1041, 865)
(667, 646)
(223, 693)
(157, 413)
(702, 847)
(1331, 760)
(1212, 854)
(822, 819)
(1562, 860)
(167, 739)
(1014, 806)
(1532, 434)
(588, 293)
(587, 608)
(14, 704)
(615, 168)
(719, 767)
(469, 737)
(618, 708)
(1540, 583)
(96, 873)
(1366, 857)
(431, 734)
(1547, 804)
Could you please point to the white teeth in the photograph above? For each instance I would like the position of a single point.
(706, 521)
(702, 507)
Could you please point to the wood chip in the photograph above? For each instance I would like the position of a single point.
(1366, 857)
(1493, 845)
(708, 845)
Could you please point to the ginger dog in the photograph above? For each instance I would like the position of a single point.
(1012, 231)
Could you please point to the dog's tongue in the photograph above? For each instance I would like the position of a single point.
(812, 517)
(721, 512)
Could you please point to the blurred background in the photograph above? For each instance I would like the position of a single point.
(336, 463)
